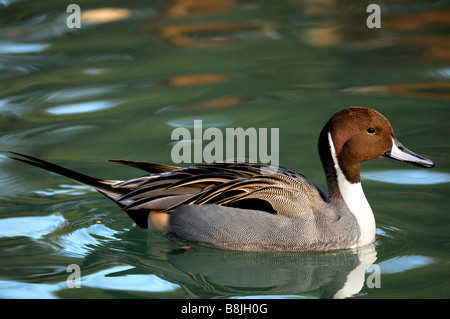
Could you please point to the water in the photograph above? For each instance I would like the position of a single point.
(118, 86)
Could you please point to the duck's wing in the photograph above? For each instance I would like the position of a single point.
(241, 185)
(160, 172)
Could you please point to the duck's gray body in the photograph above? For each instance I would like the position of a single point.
(244, 229)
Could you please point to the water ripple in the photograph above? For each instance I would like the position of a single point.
(207, 121)
(30, 226)
(85, 107)
(64, 189)
(19, 48)
(403, 263)
(411, 177)
(83, 240)
(115, 278)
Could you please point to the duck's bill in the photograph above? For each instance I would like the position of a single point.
(401, 153)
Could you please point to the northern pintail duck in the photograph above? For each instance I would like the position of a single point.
(243, 207)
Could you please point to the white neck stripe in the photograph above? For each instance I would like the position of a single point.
(355, 200)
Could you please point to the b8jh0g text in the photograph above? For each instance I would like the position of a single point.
(230, 308)
(240, 309)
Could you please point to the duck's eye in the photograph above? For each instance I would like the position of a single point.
(370, 130)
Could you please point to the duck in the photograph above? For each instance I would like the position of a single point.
(245, 206)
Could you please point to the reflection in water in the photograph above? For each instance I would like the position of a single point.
(213, 33)
(79, 242)
(411, 177)
(19, 290)
(201, 79)
(48, 134)
(18, 48)
(208, 271)
(182, 8)
(403, 263)
(210, 104)
(334, 27)
(195, 79)
(65, 189)
(418, 20)
(84, 107)
(176, 27)
(206, 33)
(30, 226)
(104, 15)
(77, 93)
(406, 35)
(431, 90)
(94, 71)
(215, 103)
(114, 260)
(207, 121)
(117, 278)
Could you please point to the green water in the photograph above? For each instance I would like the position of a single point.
(117, 90)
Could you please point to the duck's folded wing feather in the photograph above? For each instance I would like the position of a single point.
(269, 193)
(241, 185)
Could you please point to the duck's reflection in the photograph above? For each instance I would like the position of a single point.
(214, 273)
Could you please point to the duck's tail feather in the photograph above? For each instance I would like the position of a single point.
(104, 187)
(98, 184)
